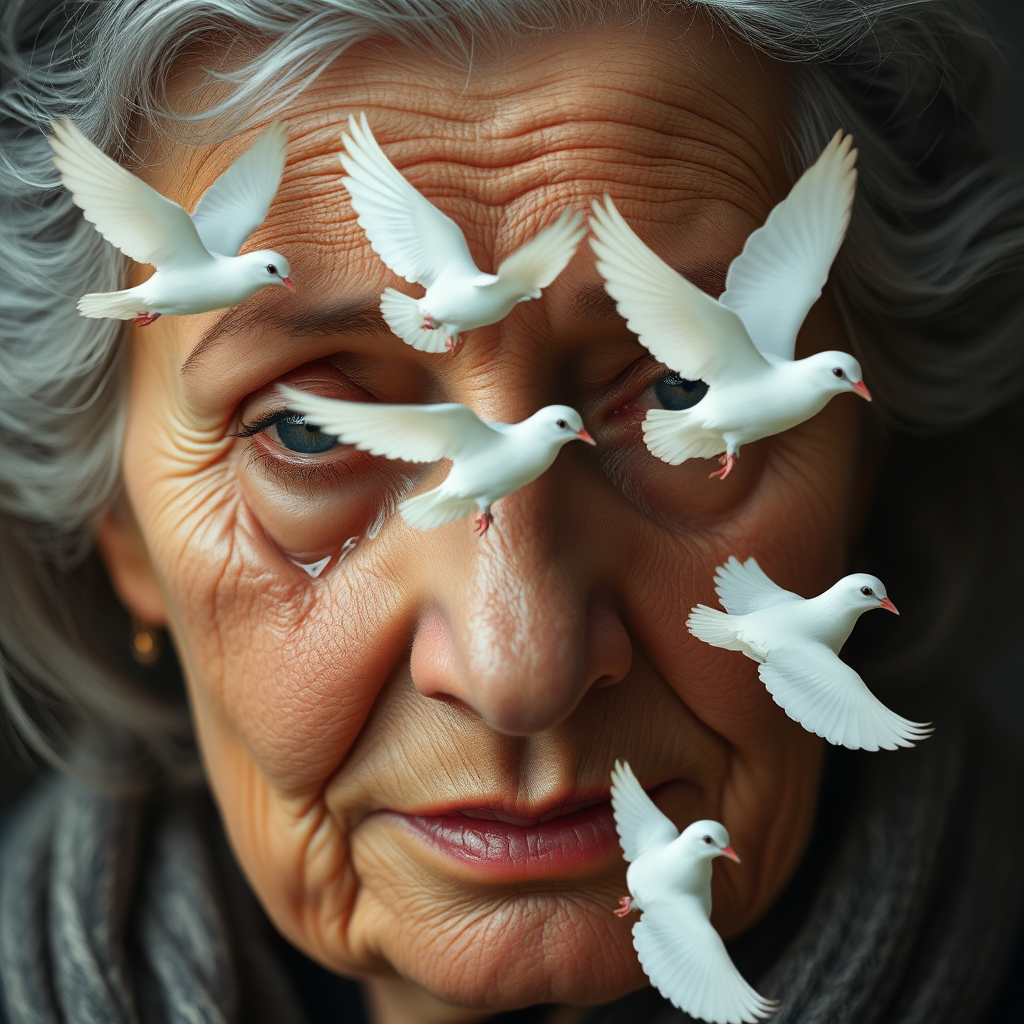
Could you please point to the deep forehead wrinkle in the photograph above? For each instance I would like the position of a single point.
(359, 317)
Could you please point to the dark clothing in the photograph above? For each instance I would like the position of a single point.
(907, 909)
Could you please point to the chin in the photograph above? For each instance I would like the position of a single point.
(492, 938)
(518, 951)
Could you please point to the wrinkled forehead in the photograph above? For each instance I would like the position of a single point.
(671, 108)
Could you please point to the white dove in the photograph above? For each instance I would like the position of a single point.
(198, 268)
(796, 642)
(489, 460)
(423, 245)
(669, 880)
(742, 344)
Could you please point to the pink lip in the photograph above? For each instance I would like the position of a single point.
(522, 848)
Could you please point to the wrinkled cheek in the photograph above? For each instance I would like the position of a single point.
(281, 657)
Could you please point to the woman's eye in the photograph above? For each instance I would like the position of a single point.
(297, 436)
(675, 392)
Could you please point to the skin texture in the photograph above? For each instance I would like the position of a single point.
(432, 670)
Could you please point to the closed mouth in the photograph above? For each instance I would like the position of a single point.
(511, 847)
(572, 838)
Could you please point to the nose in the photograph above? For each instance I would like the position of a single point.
(522, 641)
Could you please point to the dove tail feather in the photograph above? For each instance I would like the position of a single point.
(674, 438)
(435, 508)
(714, 627)
(123, 305)
(403, 315)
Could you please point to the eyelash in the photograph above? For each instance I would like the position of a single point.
(299, 472)
(257, 426)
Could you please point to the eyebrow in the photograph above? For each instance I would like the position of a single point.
(594, 303)
(349, 318)
(362, 317)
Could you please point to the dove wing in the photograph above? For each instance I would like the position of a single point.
(411, 235)
(827, 697)
(687, 962)
(641, 826)
(412, 433)
(127, 212)
(779, 275)
(536, 264)
(684, 328)
(744, 587)
(236, 204)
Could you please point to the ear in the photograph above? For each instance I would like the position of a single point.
(123, 550)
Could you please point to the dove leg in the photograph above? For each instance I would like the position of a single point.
(625, 907)
(145, 319)
(728, 460)
(428, 323)
(483, 520)
(451, 341)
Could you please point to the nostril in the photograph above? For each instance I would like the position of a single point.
(525, 686)
(432, 658)
(609, 650)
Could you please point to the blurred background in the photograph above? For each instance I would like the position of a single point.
(999, 696)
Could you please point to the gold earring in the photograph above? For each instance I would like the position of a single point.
(145, 642)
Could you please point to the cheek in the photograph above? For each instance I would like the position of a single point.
(785, 504)
(278, 656)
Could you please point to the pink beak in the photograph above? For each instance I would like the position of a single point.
(728, 851)
(862, 389)
(584, 436)
(290, 283)
(888, 606)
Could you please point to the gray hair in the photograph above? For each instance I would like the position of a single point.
(929, 279)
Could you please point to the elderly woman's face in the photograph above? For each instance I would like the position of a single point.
(411, 752)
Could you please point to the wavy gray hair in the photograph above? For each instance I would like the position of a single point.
(929, 278)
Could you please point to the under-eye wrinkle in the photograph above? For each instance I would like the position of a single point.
(675, 392)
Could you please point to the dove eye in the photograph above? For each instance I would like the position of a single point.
(867, 591)
(675, 392)
(708, 840)
(838, 371)
(561, 424)
(271, 269)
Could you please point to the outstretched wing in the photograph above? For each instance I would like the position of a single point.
(744, 587)
(128, 213)
(641, 826)
(236, 204)
(779, 275)
(830, 699)
(412, 433)
(536, 264)
(689, 965)
(411, 235)
(684, 328)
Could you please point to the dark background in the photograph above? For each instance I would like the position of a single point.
(999, 696)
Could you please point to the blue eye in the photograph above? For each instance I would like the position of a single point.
(675, 392)
(296, 436)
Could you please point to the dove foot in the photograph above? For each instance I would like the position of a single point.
(428, 324)
(450, 342)
(625, 907)
(145, 319)
(483, 520)
(728, 460)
